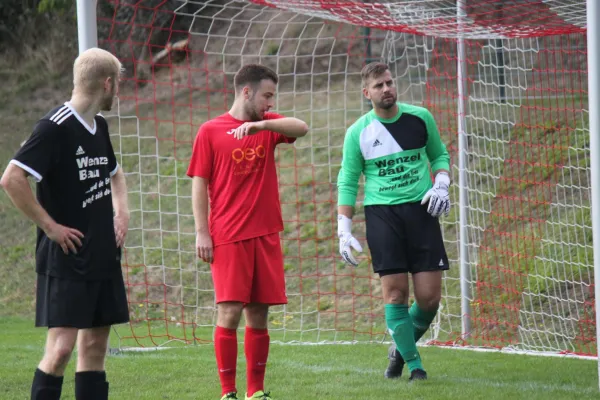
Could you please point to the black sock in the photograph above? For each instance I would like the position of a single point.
(91, 385)
(46, 386)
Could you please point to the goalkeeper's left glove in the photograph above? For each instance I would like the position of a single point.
(438, 197)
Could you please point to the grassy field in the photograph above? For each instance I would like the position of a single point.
(350, 372)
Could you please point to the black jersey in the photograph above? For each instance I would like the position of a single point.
(73, 164)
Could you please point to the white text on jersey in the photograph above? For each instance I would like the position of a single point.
(84, 162)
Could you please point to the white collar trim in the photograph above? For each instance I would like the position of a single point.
(81, 120)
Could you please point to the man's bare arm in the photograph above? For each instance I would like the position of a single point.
(15, 184)
(204, 245)
(288, 126)
(120, 203)
(347, 211)
(200, 203)
(119, 193)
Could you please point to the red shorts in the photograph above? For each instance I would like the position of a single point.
(250, 271)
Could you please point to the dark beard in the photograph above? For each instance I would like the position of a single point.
(385, 105)
(253, 115)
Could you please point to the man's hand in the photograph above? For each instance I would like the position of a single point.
(438, 197)
(248, 128)
(121, 226)
(67, 238)
(204, 246)
(347, 240)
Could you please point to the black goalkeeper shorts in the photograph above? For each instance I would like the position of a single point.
(63, 303)
(404, 238)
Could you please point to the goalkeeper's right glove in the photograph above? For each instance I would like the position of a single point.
(347, 240)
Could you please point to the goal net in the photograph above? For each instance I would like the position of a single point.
(519, 101)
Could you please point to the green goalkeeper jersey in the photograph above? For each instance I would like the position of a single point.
(395, 155)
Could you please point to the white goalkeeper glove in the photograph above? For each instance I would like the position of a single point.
(347, 240)
(438, 197)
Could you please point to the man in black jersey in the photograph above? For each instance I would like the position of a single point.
(82, 217)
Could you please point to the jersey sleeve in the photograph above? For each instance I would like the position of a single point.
(279, 138)
(352, 166)
(113, 164)
(41, 152)
(436, 150)
(201, 162)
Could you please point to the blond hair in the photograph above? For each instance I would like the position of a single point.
(92, 67)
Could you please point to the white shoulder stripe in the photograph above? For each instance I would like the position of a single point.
(114, 171)
(36, 175)
(67, 115)
(58, 113)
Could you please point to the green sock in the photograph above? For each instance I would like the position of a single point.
(400, 326)
(421, 320)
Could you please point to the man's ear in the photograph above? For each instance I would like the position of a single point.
(247, 92)
(366, 93)
(108, 82)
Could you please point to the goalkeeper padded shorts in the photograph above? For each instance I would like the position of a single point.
(250, 271)
(64, 303)
(404, 238)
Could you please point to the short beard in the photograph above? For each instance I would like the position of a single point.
(253, 114)
(386, 106)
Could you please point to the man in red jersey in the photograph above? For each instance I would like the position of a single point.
(233, 166)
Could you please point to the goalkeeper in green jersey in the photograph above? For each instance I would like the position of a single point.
(397, 147)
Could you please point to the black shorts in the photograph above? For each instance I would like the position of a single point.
(63, 303)
(404, 238)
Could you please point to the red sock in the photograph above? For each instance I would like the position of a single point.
(256, 346)
(226, 349)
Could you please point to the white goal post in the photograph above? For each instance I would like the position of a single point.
(593, 35)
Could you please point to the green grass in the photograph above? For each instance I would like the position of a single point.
(309, 372)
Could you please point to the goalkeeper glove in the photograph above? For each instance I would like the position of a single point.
(347, 240)
(438, 197)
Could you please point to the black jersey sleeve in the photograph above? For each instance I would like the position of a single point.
(113, 164)
(41, 152)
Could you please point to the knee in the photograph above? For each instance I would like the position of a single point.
(58, 356)
(396, 296)
(257, 315)
(395, 288)
(93, 347)
(229, 315)
(429, 303)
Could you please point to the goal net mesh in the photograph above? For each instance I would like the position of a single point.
(528, 227)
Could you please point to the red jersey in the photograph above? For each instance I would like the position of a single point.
(242, 179)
